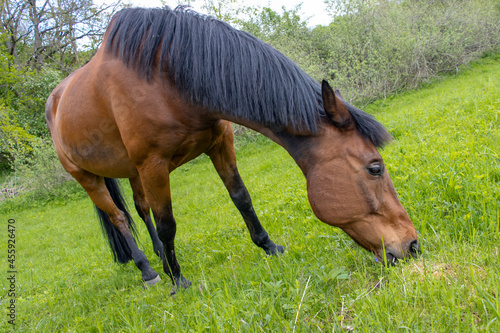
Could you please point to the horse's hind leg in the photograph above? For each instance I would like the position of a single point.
(224, 159)
(100, 195)
(143, 209)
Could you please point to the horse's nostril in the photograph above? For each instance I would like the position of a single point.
(391, 259)
(414, 248)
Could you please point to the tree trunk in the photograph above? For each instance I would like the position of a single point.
(37, 42)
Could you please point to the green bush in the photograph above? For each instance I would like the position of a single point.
(32, 90)
(288, 33)
(22, 111)
(13, 138)
(373, 49)
(378, 48)
(37, 172)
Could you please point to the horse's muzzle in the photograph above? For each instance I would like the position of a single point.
(414, 248)
(411, 250)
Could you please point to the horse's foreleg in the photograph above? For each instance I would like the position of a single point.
(155, 178)
(100, 195)
(224, 159)
(143, 209)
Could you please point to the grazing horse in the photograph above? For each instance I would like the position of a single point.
(163, 89)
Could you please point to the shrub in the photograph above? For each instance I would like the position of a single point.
(286, 32)
(378, 48)
(22, 114)
(37, 170)
(32, 90)
(13, 138)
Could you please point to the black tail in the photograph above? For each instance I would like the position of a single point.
(119, 247)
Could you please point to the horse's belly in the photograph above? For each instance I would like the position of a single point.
(103, 160)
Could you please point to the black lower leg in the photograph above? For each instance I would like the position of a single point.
(140, 259)
(143, 209)
(157, 244)
(224, 160)
(242, 201)
(166, 233)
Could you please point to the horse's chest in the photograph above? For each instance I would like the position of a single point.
(193, 146)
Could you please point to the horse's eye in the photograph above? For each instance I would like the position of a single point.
(375, 169)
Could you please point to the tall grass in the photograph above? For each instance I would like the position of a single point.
(445, 165)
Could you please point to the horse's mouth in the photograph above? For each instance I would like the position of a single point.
(391, 257)
(388, 259)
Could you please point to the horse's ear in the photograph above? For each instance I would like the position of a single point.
(335, 108)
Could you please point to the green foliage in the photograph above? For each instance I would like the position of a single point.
(378, 48)
(40, 170)
(225, 10)
(37, 175)
(444, 163)
(14, 139)
(288, 33)
(33, 89)
(23, 118)
(22, 107)
(9, 73)
(265, 23)
(373, 49)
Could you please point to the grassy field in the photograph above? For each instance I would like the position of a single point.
(445, 165)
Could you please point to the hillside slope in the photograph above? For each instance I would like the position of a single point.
(444, 163)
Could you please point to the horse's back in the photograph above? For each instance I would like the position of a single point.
(107, 120)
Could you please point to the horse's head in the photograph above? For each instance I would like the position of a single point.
(348, 184)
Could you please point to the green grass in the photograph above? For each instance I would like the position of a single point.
(444, 163)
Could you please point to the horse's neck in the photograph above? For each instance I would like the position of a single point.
(299, 146)
(295, 142)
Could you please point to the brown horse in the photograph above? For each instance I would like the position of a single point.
(162, 89)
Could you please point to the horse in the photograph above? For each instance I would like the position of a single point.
(164, 87)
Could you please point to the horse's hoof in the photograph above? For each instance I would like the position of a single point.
(152, 282)
(277, 249)
(181, 283)
(174, 290)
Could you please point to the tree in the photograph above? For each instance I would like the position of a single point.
(12, 14)
(266, 23)
(288, 33)
(48, 32)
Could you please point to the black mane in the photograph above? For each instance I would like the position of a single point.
(369, 127)
(216, 66)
